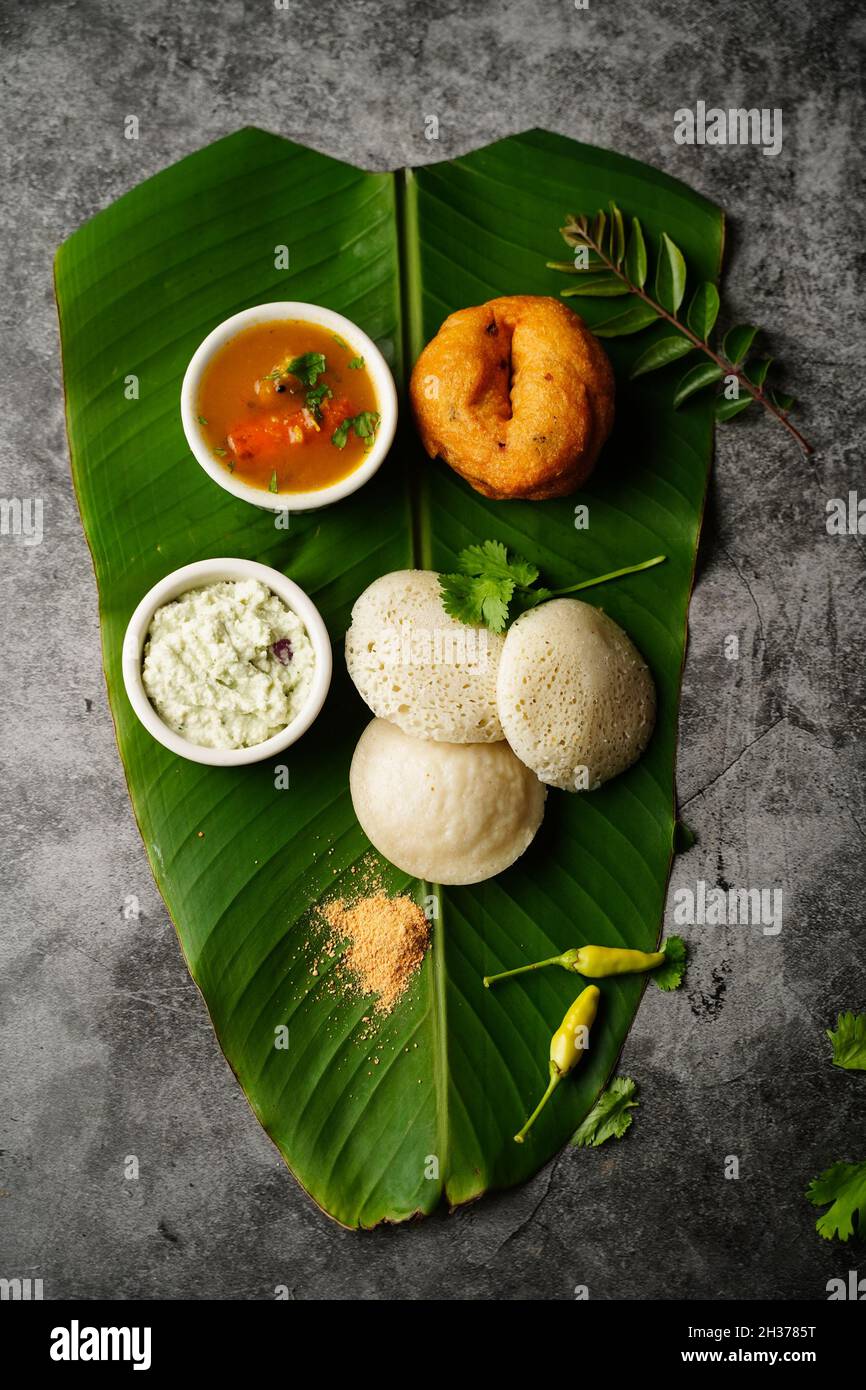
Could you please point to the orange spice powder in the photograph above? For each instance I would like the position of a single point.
(387, 940)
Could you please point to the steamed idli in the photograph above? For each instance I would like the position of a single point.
(576, 699)
(446, 812)
(414, 664)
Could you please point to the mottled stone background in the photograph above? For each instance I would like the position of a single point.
(105, 1044)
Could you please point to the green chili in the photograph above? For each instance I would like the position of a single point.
(567, 1046)
(595, 962)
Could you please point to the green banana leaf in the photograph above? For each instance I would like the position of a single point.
(378, 1127)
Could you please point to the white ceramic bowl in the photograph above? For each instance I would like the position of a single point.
(380, 374)
(196, 576)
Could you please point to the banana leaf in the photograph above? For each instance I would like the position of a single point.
(380, 1124)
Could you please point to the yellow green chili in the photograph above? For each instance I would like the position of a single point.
(594, 962)
(567, 1046)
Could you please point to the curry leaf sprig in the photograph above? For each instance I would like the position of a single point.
(613, 264)
(491, 581)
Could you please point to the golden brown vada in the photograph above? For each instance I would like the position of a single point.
(516, 395)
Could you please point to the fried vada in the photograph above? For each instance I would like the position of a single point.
(516, 396)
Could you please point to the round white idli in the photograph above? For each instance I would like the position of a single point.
(576, 699)
(446, 812)
(414, 664)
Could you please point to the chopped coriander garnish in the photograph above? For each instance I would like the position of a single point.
(231, 466)
(342, 341)
(315, 396)
(365, 425)
(221, 452)
(341, 433)
(272, 485)
(201, 420)
(307, 368)
(356, 364)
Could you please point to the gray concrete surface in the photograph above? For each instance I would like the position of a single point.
(106, 1047)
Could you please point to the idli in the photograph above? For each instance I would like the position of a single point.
(446, 812)
(576, 699)
(414, 664)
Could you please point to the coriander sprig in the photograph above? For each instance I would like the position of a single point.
(491, 579)
(613, 264)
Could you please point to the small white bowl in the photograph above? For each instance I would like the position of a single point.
(294, 310)
(196, 576)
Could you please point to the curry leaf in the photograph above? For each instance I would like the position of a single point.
(727, 409)
(631, 320)
(617, 236)
(635, 261)
(670, 275)
(588, 261)
(605, 286)
(757, 371)
(627, 261)
(660, 353)
(704, 310)
(695, 380)
(737, 342)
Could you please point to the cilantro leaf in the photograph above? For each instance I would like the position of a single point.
(524, 599)
(849, 1042)
(476, 600)
(307, 368)
(315, 396)
(272, 485)
(510, 577)
(341, 433)
(491, 560)
(488, 579)
(843, 1185)
(669, 974)
(609, 1117)
(365, 425)
(356, 364)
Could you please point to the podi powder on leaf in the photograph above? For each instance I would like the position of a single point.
(387, 941)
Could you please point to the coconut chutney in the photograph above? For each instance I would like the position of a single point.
(228, 665)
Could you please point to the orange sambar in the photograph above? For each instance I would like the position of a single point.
(288, 406)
